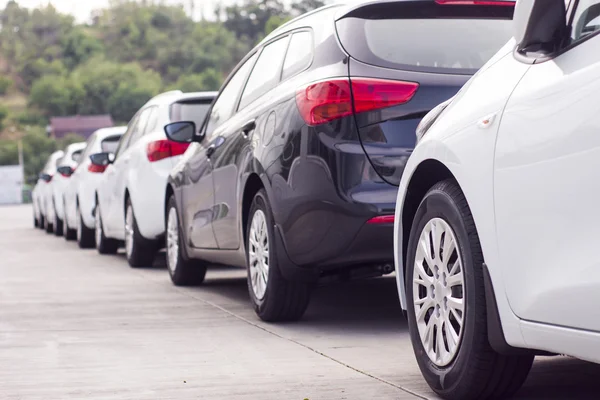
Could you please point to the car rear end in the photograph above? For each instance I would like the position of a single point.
(62, 179)
(160, 156)
(106, 141)
(403, 59)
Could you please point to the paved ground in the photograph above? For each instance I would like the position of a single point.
(76, 325)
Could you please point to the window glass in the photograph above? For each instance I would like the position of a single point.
(299, 54)
(110, 144)
(586, 19)
(76, 156)
(266, 72)
(190, 111)
(152, 120)
(88, 148)
(224, 107)
(124, 143)
(140, 127)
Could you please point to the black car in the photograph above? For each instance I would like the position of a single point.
(294, 172)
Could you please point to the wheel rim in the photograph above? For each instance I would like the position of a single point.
(259, 254)
(78, 223)
(129, 231)
(172, 239)
(98, 227)
(439, 292)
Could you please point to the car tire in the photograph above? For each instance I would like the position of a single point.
(104, 245)
(84, 235)
(444, 253)
(58, 224)
(183, 271)
(48, 226)
(274, 298)
(140, 251)
(36, 223)
(42, 224)
(69, 233)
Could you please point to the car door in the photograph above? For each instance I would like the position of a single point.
(237, 135)
(547, 184)
(198, 198)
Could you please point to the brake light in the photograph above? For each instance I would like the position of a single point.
(96, 169)
(328, 100)
(476, 3)
(161, 149)
(381, 219)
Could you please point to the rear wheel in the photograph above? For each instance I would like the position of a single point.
(274, 298)
(104, 245)
(48, 225)
(140, 251)
(183, 272)
(42, 224)
(447, 305)
(70, 233)
(85, 235)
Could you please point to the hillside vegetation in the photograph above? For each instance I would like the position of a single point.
(52, 66)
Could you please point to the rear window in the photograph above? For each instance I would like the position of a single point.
(76, 155)
(190, 111)
(110, 144)
(433, 44)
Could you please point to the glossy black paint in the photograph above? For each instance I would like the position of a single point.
(323, 182)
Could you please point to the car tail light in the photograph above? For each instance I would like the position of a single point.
(381, 219)
(162, 149)
(96, 169)
(328, 100)
(476, 3)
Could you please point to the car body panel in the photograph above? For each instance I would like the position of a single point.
(44, 189)
(60, 183)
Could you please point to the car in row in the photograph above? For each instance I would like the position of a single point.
(332, 151)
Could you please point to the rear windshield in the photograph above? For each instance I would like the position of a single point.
(76, 155)
(441, 45)
(190, 111)
(110, 144)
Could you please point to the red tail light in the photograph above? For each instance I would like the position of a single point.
(96, 169)
(326, 101)
(162, 149)
(476, 3)
(381, 219)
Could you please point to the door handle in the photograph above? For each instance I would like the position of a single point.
(214, 146)
(247, 128)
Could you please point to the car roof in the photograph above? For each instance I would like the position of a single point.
(103, 133)
(177, 95)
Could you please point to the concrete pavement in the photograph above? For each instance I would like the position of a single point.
(77, 325)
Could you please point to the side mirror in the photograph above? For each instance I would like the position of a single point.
(182, 132)
(102, 159)
(65, 170)
(45, 177)
(540, 25)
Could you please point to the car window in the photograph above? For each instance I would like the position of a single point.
(586, 19)
(76, 156)
(152, 120)
(266, 72)
(299, 54)
(224, 107)
(190, 110)
(124, 143)
(140, 128)
(110, 144)
(89, 146)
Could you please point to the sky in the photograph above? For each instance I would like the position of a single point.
(81, 9)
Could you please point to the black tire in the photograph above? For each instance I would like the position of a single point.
(36, 223)
(48, 226)
(42, 224)
(85, 236)
(104, 245)
(184, 271)
(58, 224)
(69, 233)
(143, 251)
(283, 300)
(476, 371)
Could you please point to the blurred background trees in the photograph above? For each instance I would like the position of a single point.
(50, 65)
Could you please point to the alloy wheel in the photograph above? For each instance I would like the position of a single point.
(172, 239)
(439, 292)
(129, 231)
(259, 254)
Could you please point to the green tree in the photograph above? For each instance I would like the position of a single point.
(55, 96)
(79, 46)
(210, 79)
(5, 85)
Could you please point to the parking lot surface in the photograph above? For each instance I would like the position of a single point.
(77, 325)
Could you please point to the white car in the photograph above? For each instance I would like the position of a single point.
(130, 201)
(80, 193)
(55, 210)
(495, 232)
(42, 191)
